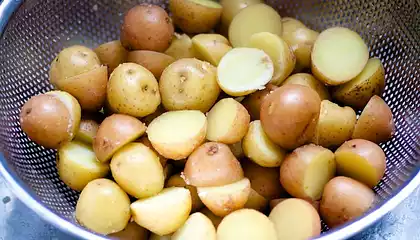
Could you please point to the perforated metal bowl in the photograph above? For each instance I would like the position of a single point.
(38, 29)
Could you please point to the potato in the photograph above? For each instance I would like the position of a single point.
(357, 92)
(361, 160)
(260, 149)
(306, 170)
(114, 132)
(282, 56)
(147, 143)
(256, 201)
(308, 80)
(137, 170)
(289, 115)
(177, 181)
(253, 101)
(111, 54)
(335, 125)
(345, 199)
(195, 16)
(275, 202)
(189, 84)
(164, 213)
(211, 47)
(149, 118)
(228, 121)
(211, 165)
(131, 232)
(50, 119)
(338, 55)
(77, 165)
(197, 226)
(181, 47)
(155, 62)
(103, 207)
(253, 19)
(244, 70)
(157, 237)
(295, 219)
(146, 27)
(246, 224)
(301, 41)
(230, 9)
(376, 122)
(176, 134)
(237, 150)
(213, 218)
(87, 130)
(225, 199)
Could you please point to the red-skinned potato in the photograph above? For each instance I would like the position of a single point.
(253, 102)
(155, 62)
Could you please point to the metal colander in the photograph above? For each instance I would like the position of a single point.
(37, 30)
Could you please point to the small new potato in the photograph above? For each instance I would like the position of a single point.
(87, 130)
(253, 101)
(177, 180)
(131, 232)
(103, 207)
(228, 121)
(230, 9)
(175, 135)
(77, 165)
(335, 125)
(211, 47)
(289, 115)
(146, 27)
(181, 47)
(246, 224)
(213, 218)
(376, 123)
(361, 160)
(306, 170)
(211, 165)
(133, 90)
(114, 132)
(308, 80)
(195, 16)
(256, 201)
(189, 84)
(155, 62)
(345, 199)
(111, 54)
(164, 213)
(197, 226)
(295, 219)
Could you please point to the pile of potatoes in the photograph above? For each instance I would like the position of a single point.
(223, 121)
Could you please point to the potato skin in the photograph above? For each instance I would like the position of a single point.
(253, 102)
(197, 226)
(309, 80)
(210, 47)
(289, 115)
(87, 131)
(177, 180)
(181, 47)
(155, 62)
(130, 232)
(111, 54)
(146, 27)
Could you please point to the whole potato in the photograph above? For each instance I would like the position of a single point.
(111, 54)
(253, 101)
(146, 27)
(289, 115)
(177, 180)
(210, 47)
(103, 207)
(189, 84)
(230, 9)
(131, 232)
(155, 62)
(181, 47)
(133, 90)
(87, 130)
(308, 80)
(197, 226)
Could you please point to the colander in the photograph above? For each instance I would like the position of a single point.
(34, 31)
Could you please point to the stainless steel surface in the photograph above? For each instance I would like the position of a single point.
(39, 29)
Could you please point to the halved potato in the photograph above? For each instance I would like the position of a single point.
(223, 200)
(131, 232)
(211, 47)
(279, 51)
(181, 47)
(176, 134)
(114, 132)
(228, 121)
(149, 118)
(177, 181)
(376, 123)
(230, 9)
(308, 80)
(145, 140)
(306, 170)
(339, 55)
(256, 201)
(254, 101)
(213, 218)
(164, 213)
(197, 226)
(155, 62)
(111, 54)
(87, 130)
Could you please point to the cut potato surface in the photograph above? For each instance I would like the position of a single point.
(230, 9)
(211, 47)
(176, 134)
(244, 70)
(197, 226)
(164, 213)
(181, 47)
(177, 181)
(339, 55)
(308, 80)
(256, 201)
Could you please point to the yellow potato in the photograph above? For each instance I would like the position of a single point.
(256, 201)
(133, 90)
(223, 200)
(181, 47)
(77, 165)
(164, 213)
(137, 170)
(87, 131)
(146, 142)
(361, 160)
(306, 170)
(279, 51)
(275, 202)
(338, 55)
(111, 54)
(260, 149)
(253, 19)
(246, 224)
(176, 134)
(103, 207)
(211, 47)
(295, 219)
(213, 218)
(197, 226)
(177, 181)
(228, 121)
(254, 101)
(357, 92)
(114, 132)
(189, 84)
(237, 150)
(131, 232)
(335, 125)
(230, 9)
(308, 80)
(155, 62)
